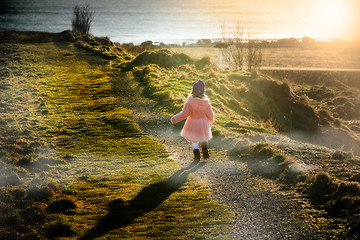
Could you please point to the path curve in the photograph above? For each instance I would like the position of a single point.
(259, 212)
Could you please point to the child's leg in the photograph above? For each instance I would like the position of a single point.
(196, 151)
(204, 148)
(195, 145)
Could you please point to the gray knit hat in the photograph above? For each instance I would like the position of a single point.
(199, 87)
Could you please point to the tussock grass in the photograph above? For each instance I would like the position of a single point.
(59, 229)
(339, 198)
(262, 158)
(61, 205)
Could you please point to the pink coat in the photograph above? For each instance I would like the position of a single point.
(199, 116)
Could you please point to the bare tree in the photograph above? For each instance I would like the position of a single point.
(82, 19)
(251, 52)
(254, 57)
(240, 50)
(259, 56)
(234, 53)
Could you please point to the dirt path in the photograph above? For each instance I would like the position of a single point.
(260, 211)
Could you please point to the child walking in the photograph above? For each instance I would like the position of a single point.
(199, 116)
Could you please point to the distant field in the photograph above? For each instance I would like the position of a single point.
(289, 57)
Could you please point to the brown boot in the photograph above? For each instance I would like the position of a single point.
(196, 155)
(205, 151)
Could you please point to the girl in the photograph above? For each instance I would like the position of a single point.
(200, 115)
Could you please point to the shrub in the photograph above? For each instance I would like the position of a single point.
(82, 19)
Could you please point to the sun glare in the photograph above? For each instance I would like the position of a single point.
(332, 18)
(334, 10)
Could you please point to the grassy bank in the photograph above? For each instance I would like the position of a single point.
(251, 109)
(74, 165)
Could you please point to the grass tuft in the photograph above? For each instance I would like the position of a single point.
(323, 187)
(40, 193)
(58, 205)
(59, 229)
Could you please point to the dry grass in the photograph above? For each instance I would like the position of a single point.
(289, 57)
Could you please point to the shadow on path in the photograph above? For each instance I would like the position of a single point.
(123, 213)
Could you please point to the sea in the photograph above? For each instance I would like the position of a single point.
(166, 21)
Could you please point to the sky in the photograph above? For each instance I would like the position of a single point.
(314, 18)
(141, 20)
(334, 17)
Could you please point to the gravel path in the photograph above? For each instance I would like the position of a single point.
(260, 212)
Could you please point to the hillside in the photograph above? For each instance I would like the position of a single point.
(68, 123)
(73, 164)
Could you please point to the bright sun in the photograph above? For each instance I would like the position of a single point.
(331, 18)
(334, 10)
